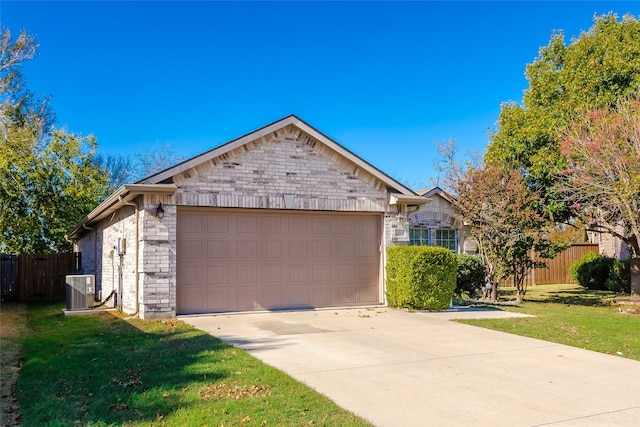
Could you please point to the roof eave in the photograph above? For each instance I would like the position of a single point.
(117, 200)
(410, 200)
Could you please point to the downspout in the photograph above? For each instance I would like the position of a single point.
(136, 262)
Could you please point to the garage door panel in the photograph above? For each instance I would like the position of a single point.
(368, 294)
(367, 249)
(298, 273)
(246, 224)
(257, 260)
(320, 226)
(298, 249)
(247, 273)
(190, 223)
(346, 249)
(299, 298)
(320, 249)
(271, 224)
(217, 224)
(191, 249)
(298, 225)
(347, 296)
(271, 249)
(246, 248)
(218, 275)
(218, 249)
(272, 274)
(320, 273)
(321, 297)
(191, 275)
(246, 300)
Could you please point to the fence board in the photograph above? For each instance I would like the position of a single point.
(9, 277)
(32, 278)
(557, 270)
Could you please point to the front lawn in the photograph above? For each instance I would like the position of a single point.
(103, 370)
(572, 315)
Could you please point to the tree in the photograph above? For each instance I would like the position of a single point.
(123, 169)
(156, 158)
(593, 71)
(48, 177)
(504, 218)
(119, 168)
(602, 180)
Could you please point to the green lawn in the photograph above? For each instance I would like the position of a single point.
(571, 315)
(102, 370)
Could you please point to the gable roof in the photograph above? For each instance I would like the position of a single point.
(436, 191)
(167, 174)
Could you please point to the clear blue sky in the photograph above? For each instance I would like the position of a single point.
(386, 80)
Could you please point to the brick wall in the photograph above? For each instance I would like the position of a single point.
(438, 214)
(257, 175)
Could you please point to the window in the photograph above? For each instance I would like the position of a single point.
(419, 236)
(446, 239)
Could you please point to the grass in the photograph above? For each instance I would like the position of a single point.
(13, 320)
(572, 315)
(102, 370)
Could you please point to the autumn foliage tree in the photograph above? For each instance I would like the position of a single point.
(504, 217)
(602, 180)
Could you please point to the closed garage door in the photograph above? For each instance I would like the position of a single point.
(239, 260)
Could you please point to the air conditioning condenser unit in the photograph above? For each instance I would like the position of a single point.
(80, 291)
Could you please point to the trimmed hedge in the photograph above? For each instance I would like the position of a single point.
(420, 277)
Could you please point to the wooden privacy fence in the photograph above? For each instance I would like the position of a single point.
(32, 278)
(557, 270)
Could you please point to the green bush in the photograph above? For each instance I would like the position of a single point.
(573, 269)
(471, 275)
(619, 276)
(597, 272)
(420, 277)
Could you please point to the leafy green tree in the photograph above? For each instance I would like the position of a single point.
(596, 69)
(602, 179)
(48, 177)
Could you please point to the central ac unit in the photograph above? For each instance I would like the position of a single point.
(80, 291)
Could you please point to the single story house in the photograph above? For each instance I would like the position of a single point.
(436, 224)
(283, 217)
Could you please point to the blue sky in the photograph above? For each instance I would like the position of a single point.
(385, 79)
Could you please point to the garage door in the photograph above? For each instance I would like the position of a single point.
(238, 260)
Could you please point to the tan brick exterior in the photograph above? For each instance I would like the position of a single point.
(440, 214)
(286, 169)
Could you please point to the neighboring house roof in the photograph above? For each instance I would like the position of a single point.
(430, 192)
(161, 182)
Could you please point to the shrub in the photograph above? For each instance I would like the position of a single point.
(597, 272)
(420, 277)
(573, 269)
(471, 275)
(619, 276)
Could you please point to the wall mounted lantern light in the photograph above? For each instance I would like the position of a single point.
(160, 211)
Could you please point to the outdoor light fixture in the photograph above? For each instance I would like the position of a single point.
(160, 211)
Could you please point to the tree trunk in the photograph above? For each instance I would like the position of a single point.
(634, 264)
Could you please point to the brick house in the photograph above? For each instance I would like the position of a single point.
(283, 217)
(436, 224)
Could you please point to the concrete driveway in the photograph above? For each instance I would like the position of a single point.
(396, 368)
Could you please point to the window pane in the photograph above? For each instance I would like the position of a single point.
(418, 236)
(446, 239)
